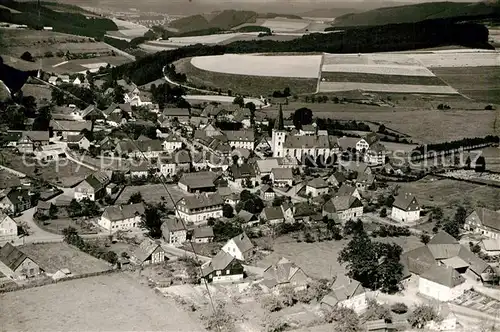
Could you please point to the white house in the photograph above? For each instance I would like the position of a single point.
(282, 177)
(316, 187)
(345, 292)
(485, 222)
(375, 154)
(173, 231)
(285, 274)
(93, 187)
(79, 141)
(244, 139)
(200, 207)
(77, 81)
(240, 247)
(364, 143)
(8, 227)
(121, 217)
(172, 143)
(223, 267)
(441, 283)
(405, 208)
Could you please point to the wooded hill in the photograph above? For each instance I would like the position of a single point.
(60, 21)
(420, 12)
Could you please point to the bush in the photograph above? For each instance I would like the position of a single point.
(421, 315)
(399, 308)
(383, 212)
(272, 303)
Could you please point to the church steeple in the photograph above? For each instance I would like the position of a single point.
(279, 124)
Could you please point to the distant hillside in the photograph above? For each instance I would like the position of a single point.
(417, 13)
(60, 21)
(224, 20)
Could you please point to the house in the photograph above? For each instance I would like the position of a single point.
(282, 177)
(405, 208)
(285, 274)
(288, 211)
(17, 265)
(223, 267)
(375, 154)
(308, 130)
(63, 128)
(181, 114)
(247, 218)
(15, 200)
(356, 167)
(345, 207)
(8, 227)
(345, 292)
(366, 142)
(485, 222)
(242, 175)
(265, 166)
(198, 182)
(200, 207)
(141, 149)
(316, 187)
(51, 152)
(121, 217)
(441, 283)
(267, 192)
(336, 179)
(273, 215)
(148, 252)
(27, 141)
(491, 246)
(347, 190)
(93, 187)
(203, 234)
(171, 143)
(244, 139)
(139, 170)
(168, 167)
(78, 141)
(173, 231)
(365, 181)
(240, 247)
(77, 81)
(304, 146)
(53, 80)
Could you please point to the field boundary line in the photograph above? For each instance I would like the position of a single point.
(320, 72)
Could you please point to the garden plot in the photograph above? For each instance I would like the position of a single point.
(285, 25)
(377, 87)
(307, 66)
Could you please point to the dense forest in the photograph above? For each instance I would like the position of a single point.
(72, 23)
(393, 37)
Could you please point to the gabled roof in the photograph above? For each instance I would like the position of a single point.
(405, 201)
(309, 142)
(371, 138)
(75, 138)
(273, 213)
(489, 218)
(342, 203)
(122, 212)
(218, 263)
(282, 272)
(443, 238)
(418, 260)
(445, 276)
(11, 256)
(198, 179)
(242, 171)
(266, 165)
(145, 249)
(97, 180)
(246, 216)
(33, 135)
(282, 173)
(337, 176)
(377, 147)
(342, 289)
(444, 251)
(240, 135)
(317, 183)
(62, 125)
(202, 200)
(172, 225)
(346, 190)
(243, 242)
(476, 264)
(175, 112)
(203, 232)
(355, 166)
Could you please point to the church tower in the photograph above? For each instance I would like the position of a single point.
(279, 135)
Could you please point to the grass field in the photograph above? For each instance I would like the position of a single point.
(8, 179)
(244, 84)
(152, 193)
(480, 83)
(55, 256)
(380, 78)
(113, 302)
(386, 88)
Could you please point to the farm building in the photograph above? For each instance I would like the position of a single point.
(200, 207)
(244, 139)
(366, 142)
(64, 129)
(122, 217)
(405, 208)
(15, 200)
(265, 166)
(282, 177)
(223, 267)
(267, 192)
(16, 265)
(78, 141)
(8, 227)
(485, 222)
(240, 175)
(345, 292)
(343, 207)
(247, 218)
(273, 215)
(198, 182)
(316, 187)
(203, 234)
(347, 190)
(285, 274)
(441, 283)
(93, 187)
(148, 252)
(173, 231)
(240, 247)
(336, 179)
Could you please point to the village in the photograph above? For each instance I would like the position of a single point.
(296, 222)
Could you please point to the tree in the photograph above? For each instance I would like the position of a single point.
(460, 216)
(239, 100)
(424, 238)
(53, 210)
(399, 308)
(57, 96)
(301, 117)
(152, 221)
(278, 200)
(227, 211)
(74, 208)
(345, 319)
(353, 227)
(220, 320)
(26, 56)
(383, 212)
(381, 129)
(375, 311)
(42, 120)
(453, 228)
(135, 198)
(421, 315)
(118, 94)
(389, 201)
(286, 92)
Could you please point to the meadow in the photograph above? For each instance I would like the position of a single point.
(388, 88)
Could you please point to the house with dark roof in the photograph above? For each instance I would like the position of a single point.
(203, 234)
(122, 217)
(366, 142)
(93, 187)
(375, 154)
(267, 192)
(273, 215)
(78, 142)
(343, 207)
(345, 292)
(244, 139)
(485, 222)
(181, 114)
(148, 252)
(174, 231)
(347, 190)
(442, 283)
(16, 200)
(198, 182)
(63, 128)
(223, 267)
(282, 177)
(240, 247)
(247, 218)
(17, 265)
(406, 208)
(285, 273)
(336, 179)
(200, 207)
(27, 141)
(316, 187)
(241, 175)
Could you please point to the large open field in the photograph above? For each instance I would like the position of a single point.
(55, 256)
(112, 302)
(244, 84)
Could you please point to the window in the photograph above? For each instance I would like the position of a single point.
(228, 271)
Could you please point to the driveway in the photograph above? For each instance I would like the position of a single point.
(36, 234)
